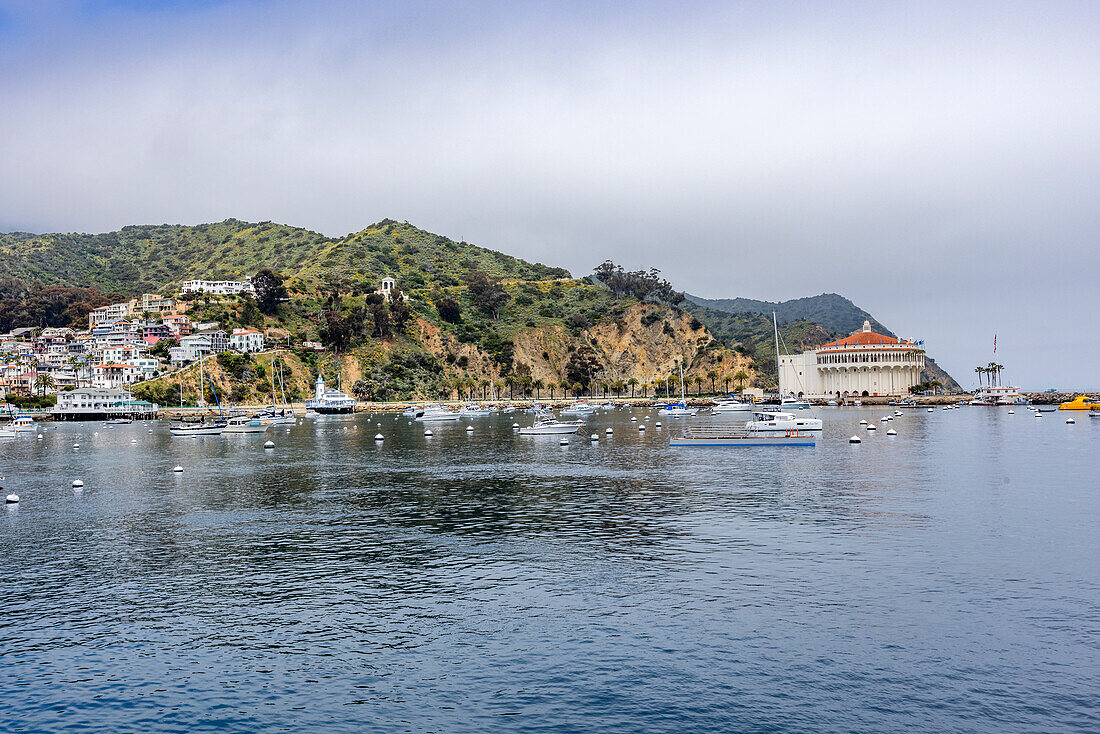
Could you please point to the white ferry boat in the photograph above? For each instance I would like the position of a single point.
(329, 400)
(999, 395)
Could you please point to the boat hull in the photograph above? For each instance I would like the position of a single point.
(744, 441)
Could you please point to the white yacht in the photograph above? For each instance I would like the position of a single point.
(733, 408)
(791, 403)
(329, 400)
(677, 410)
(581, 408)
(473, 410)
(773, 422)
(435, 413)
(548, 425)
(7, 433)
(245, 424)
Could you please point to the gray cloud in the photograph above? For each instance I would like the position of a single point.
(937, 165)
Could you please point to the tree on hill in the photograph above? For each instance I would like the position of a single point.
(487, 294)
(269, 290)
(643, 285)
(448, 308)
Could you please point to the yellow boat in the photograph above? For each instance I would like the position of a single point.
(1080, 403)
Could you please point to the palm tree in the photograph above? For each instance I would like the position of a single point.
(979, 370)
(633, 382)
(577, 387)
(726, 380)
(739, 377)
(44, 383)
(712, 375)
(510, 381)
(699, 381)
(538, 385)
(550, 385)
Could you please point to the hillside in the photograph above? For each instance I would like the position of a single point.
(833, 312)
(472, 317)
(150, 258)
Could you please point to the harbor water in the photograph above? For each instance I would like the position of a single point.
(943, 579)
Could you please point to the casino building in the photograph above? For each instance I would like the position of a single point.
(860, 365)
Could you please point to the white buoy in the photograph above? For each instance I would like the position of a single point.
(563, 442)
(1012, 412)
(269, 445)
(515, 425)
(11, 499)
(427, 432)
(855, 439)
(898, 412)
(931, 410)
(1038, 414)
(177, 469)
(885, 418)
(78, 482)
(379, 437)
(76, 445)
(1070, 420)
(40, 437)
(594, 437)
(871, 427)
(863, 423)
(133, 440)
(641, 429)
(608, 431)
(345, 428)
(634, 419)
(658, 424)
(469, 429)
(891, 432)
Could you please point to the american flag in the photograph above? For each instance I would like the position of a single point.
(994, 343)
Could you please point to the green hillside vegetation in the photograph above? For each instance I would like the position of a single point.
(835, 313)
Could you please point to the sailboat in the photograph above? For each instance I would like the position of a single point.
(680, 409)
(273, 415)
(203, 427)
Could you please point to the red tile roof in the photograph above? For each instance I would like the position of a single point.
(864, 339)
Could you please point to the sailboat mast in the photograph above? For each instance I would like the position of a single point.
(775, 325)
(683, 397)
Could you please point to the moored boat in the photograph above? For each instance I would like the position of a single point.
(726, 436)
(780, 423)
(1081, 402)
(548, 425)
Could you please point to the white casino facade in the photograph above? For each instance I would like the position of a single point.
(860, 365)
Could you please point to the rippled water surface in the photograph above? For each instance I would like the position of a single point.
(944, 579)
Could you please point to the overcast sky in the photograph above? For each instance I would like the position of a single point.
(939, 164)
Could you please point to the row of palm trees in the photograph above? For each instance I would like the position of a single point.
(992, 373)
(526, 386)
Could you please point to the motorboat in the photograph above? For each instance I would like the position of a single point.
(677, 410)
(435, 413)
(733, 408)
(791, 403)
(245, 424)
(411, 411)
(1080, 402)
(329, 400)
(607, 406)
(7, 433)
(534, 409)
(998, 395)
(777, 422)
(831, 403)
(578, 409)
(120, 421)
(473, 410)
(22, 424)
(548, 425)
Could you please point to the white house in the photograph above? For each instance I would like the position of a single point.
(108, 314)
(246, 340)
(862, 364)
(115, 375)
(210, 341)
(219, 287)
